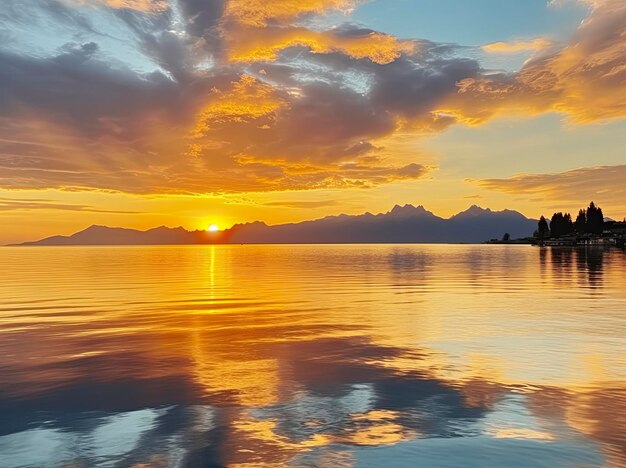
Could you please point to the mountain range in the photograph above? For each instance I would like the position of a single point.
(403, 224)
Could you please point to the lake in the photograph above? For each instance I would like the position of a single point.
(340, 356)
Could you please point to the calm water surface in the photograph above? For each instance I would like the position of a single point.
(366, 356)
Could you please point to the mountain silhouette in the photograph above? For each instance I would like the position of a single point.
(103, 235)
(403, 224)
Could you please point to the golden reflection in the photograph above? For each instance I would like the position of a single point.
(397, 322)
(212, 271)
(267, 446)
(378, 427)
(253, 381)
(520, 433)
(374, 428)
(265, 431)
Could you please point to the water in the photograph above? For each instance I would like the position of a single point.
(368, 356)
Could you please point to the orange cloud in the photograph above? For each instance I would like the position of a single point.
(603, 184)
(517, 46)
(276, 125)
(263, 44)
(583, 80)
(259, 12)
(246, 100)
(255, 30)
(282, 175)
(592, 180)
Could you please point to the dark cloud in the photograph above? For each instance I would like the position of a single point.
(327, 123)
(412, 88)
(202, 16)
(79, 89)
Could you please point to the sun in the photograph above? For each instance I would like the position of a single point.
(213, 228)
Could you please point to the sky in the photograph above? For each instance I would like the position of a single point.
(140, 113)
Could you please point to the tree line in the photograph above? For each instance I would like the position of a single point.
(588, 221)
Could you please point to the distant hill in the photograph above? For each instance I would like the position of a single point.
(103, 235)
(403, 224)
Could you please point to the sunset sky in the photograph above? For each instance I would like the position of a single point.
(140, 113)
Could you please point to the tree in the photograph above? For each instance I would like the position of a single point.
(595, 219)
(506, 237)
(568, 223)
(543, 229)
(599, 227)
(581, 222)
(561, 224)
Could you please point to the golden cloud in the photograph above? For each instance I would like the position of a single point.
(283, 175)
(259, 12)
(246, 100)
(517, 46)
(603, 184)
(591, 180)
(255, 30)
(583, 80)
(263, 44)
(129, 131)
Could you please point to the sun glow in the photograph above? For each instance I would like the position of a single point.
(213, 228)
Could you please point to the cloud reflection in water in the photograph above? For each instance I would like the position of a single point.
(195, 367)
